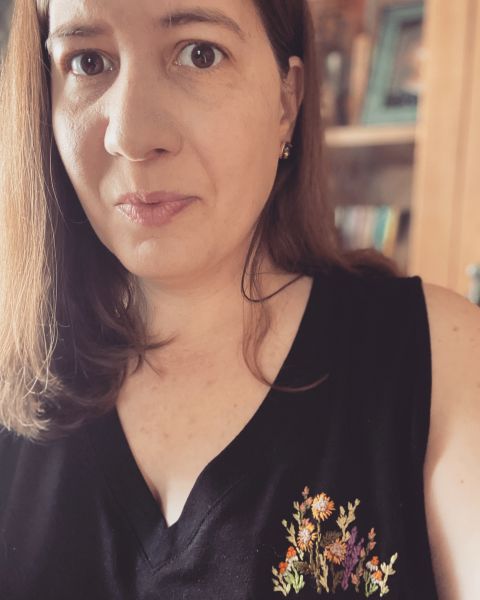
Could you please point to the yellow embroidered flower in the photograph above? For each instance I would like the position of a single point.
(377, 576)
(336, 552)
(306, 535)
(322, 507)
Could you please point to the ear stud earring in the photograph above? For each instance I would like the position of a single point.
(286, 151)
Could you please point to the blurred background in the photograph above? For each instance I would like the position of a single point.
(401, 104)
(401, 101)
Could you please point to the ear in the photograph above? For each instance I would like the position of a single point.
(291, 97)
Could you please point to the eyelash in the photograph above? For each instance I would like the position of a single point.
(66, 61)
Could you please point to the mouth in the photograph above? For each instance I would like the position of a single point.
(143, 198)
(152, 209)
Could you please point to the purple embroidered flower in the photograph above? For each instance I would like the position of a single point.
(352, 557)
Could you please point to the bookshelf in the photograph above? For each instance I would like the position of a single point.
(370, 155)
(427, 168)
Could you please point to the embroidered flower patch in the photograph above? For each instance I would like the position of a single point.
(328, 556)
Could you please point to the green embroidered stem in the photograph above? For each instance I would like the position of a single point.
(387, 570)
(323, 576)
(344, 520)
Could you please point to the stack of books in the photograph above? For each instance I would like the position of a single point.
(369, 226)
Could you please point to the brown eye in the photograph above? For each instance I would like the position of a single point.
(88, 63)
(201, 55)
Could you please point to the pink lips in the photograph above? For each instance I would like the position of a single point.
(152, 209)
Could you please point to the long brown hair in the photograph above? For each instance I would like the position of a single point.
(69, 311)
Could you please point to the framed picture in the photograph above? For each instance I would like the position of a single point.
(395, 82)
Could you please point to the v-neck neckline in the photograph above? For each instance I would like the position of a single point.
(160, 542)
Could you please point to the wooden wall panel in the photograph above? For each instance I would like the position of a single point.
(467, 251)
(440, 149)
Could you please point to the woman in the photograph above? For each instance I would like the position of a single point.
(158, 156)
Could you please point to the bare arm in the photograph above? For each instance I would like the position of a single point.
(452, 466)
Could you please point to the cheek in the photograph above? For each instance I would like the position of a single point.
(78, 148)
(67, 142)
(75, 157)
(244, 147)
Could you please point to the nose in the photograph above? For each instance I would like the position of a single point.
(140, 121)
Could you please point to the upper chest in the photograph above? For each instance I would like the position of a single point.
(176, 424)
(173, 436)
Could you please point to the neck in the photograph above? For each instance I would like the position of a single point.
(206, 314)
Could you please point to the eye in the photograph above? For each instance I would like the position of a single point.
(201, 55)
(88, 63)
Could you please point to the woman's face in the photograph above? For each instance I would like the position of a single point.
(176, 96)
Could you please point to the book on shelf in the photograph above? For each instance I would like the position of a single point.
(358, 77)
(370, 226)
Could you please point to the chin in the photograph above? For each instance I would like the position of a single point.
(159, 266)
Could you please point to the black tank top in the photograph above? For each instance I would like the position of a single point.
(320, 494)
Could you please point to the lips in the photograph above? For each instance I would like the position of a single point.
(152, 209)
(139, 198)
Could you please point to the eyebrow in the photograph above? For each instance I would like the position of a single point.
(174, 19)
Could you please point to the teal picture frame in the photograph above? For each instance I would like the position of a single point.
(381, 104)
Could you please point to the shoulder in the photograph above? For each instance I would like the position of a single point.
(454, 324)
(452, 484)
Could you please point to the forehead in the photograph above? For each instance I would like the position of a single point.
(238, 16)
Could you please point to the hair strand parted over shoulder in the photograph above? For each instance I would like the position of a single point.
(69, 311)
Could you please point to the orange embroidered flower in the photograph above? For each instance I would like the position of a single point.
(336, 552)
(282, 567)
(306, 535)
(291, 552)
(322, 507)
(377, 576)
